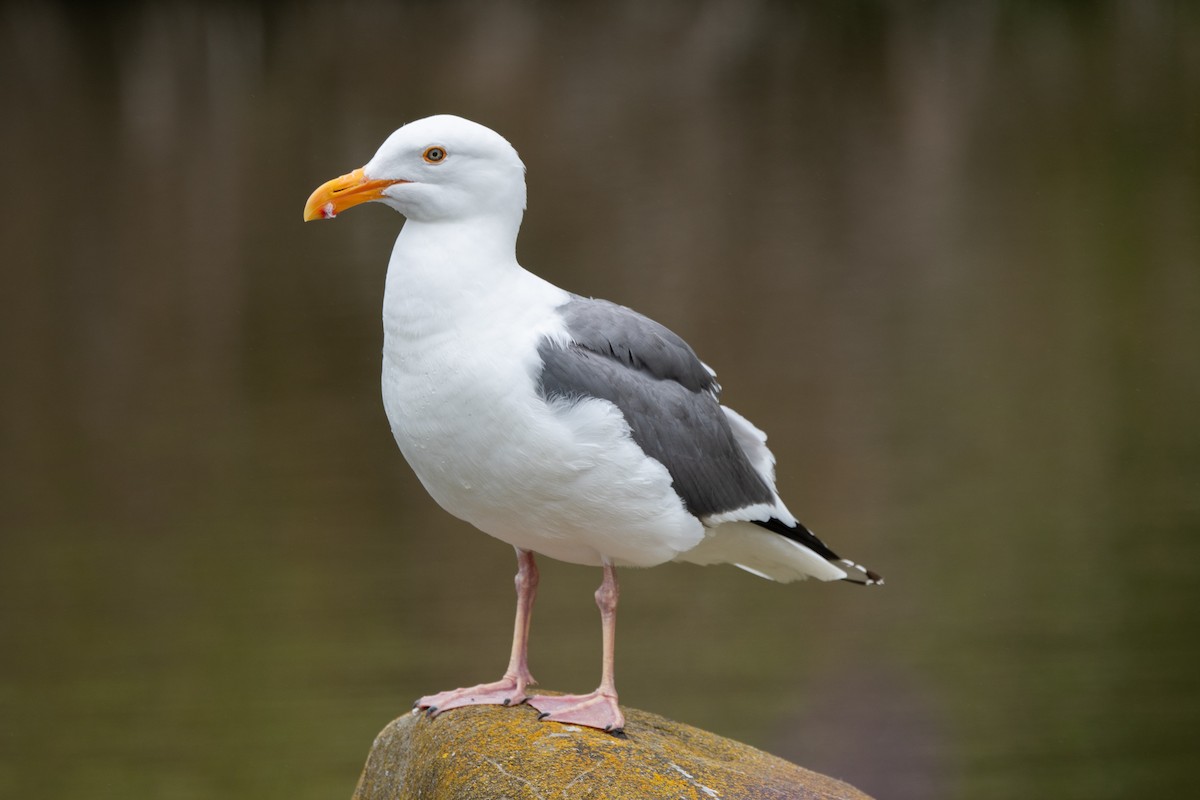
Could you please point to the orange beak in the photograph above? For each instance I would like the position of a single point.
(334, 197)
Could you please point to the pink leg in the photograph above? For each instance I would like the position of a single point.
(509, 690)
(598, 709)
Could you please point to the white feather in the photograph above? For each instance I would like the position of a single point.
(762, 553)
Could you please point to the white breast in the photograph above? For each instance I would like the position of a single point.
(565, 479)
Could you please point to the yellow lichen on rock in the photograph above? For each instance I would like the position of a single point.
(492, 752)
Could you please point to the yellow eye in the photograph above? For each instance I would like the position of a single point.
(433, 155)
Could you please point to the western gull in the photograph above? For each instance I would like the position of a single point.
(566, 426)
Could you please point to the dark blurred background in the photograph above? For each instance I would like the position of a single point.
(946, 254)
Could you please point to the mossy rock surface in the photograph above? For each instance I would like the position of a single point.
(493, 752)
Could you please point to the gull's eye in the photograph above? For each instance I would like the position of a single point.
(434, 155)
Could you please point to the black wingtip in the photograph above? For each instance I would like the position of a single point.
(857, 573)
(801, 535)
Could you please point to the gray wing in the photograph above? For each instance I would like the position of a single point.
(667, 395)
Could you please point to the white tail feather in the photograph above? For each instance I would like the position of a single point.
(761, 552)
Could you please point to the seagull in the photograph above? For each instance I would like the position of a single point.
(570, 427)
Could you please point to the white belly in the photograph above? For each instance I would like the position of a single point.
(565, 480)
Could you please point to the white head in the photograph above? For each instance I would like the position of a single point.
(435, 169)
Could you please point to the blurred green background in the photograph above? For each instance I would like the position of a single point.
(946, 254)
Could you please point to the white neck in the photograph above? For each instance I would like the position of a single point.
(442, 268)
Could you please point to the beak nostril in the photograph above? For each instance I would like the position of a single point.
(348, 182)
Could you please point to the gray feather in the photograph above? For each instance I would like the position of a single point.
(666, 394)
(636, 341)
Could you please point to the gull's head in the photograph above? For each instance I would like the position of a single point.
(437, 168)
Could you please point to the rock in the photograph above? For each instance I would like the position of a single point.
(495, 753)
